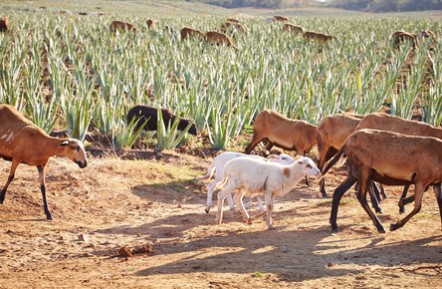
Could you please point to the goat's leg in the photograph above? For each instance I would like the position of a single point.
(210, 189)
(374, 197)
(401, 203)
(325, 153)
(255, 140)
(419, 191)
(269, 198)
(10, 178)
(337, 195)
(221, 196)
(41, 177)
(438, 193)
(362, 197)
(238, 201)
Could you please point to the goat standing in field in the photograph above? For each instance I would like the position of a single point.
(247, 176)
(23, 142)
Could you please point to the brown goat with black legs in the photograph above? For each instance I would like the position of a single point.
(393, 159)
(332, 131)
(23, 142)
(392, 123)
(141, 113)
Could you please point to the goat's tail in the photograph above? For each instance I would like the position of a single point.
(219, 185)
(209, 173)
(333, 161)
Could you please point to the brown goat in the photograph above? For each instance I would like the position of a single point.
(283, 132)
(4, 24)
(401, 36)
(232, 25)
(151, 23)
(318, 36)
(233, 20)
(122, 26)
(23, 142)
(187, 32)
(280, 18)
(219, 39)
(392, 123)
(293, 28)
(393, 159)
(332, 132)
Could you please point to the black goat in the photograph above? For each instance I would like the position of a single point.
(143, 112)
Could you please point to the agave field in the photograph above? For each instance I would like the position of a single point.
(70, 72)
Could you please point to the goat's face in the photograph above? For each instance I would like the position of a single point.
(308, 167)
(74, 150)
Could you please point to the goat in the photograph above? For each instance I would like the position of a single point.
(318, 36)
(283, 132)
(332, 131)
(234, 25)
(392, 123)
(251, 176)
(4, 24)
(233, 20)
(187, 32)
(401, 36)
(219, 39)
(151, 23)
(122, 26)
(143, 113)
(393, 159)
(23, 142)
(217, 167)
(280, 18)
(293, 28)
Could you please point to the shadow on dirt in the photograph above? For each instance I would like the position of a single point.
(294, 256)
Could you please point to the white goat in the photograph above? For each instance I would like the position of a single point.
(217, 167)
(251, 176)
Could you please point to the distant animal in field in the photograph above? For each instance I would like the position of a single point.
(122, 26)
(401, 36)
(228, 25)
(293, 28)
(318, 36)
(151, 23)
(4, 24)
(187, 32)
(280, 18)
(143, 113)
(219, 39)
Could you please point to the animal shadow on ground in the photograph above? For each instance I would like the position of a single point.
(293, 256)
(178, 192)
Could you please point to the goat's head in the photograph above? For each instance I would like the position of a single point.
(308, 167)
(74, 150)
(283, 159)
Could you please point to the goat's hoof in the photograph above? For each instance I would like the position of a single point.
(379, 210)
(49, 217)
(207, 210)
(324, 195)
(271, 227)
(401, 210)
(394, 227)
(381, 229)
(249, 221)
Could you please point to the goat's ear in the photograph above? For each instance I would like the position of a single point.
(64, 143)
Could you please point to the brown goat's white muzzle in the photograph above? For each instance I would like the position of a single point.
(81, 164)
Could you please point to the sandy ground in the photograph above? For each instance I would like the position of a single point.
(115, 203)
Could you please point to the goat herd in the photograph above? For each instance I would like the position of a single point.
(378, 147)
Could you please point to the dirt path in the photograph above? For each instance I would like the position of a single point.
(115, 203)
